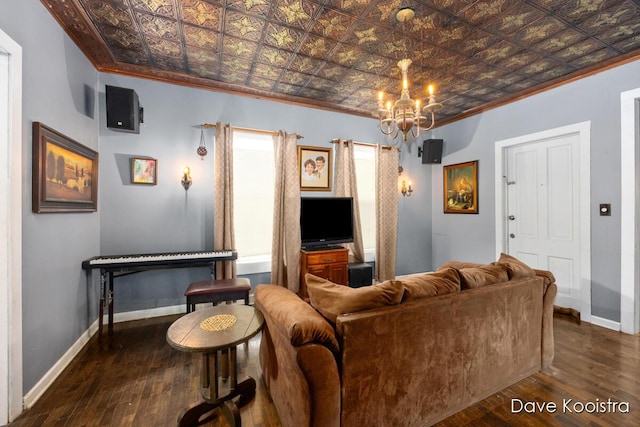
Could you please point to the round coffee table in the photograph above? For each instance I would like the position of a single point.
(215, 332)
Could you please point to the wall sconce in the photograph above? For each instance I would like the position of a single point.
(406, 190)
(186, 177)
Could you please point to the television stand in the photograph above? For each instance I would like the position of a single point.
(315, 248)
(330, 264)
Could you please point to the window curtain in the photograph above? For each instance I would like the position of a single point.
(223, 232)
(285, 252)
(346, 186)
(386, 212)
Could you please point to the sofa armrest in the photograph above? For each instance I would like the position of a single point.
(548, 276)
(548, 301)
(297, 357)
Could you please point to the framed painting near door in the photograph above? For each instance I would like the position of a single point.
(460, 188)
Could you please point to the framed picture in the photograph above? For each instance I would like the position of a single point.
(461, 188)
(314, 164)
(144, 171)
(65, 173)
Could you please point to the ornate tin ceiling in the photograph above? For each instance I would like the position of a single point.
(337, 54)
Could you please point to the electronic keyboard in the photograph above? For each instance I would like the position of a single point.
(159, 260)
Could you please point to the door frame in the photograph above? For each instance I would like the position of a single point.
(629, 211)
(583, 129)
(11, 233)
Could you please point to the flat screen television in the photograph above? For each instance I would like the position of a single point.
(326, 222)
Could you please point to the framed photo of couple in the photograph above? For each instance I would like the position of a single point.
(314, 164)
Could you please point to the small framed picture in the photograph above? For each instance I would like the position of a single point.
(460, 188)
(144, 171)
(314, 164)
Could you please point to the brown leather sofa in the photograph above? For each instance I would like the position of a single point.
(453, 338)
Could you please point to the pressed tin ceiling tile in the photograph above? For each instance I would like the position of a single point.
(337, 54)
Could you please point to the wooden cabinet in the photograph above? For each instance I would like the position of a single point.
(331, 264)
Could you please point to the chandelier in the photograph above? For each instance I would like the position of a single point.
(404, 115)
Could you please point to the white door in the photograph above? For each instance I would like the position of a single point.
(543, 197)
(543, 211)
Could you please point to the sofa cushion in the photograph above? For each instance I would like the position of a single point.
(488, 274)
(303, 324)
(459, 265)
(441, 282)
(516, 269)
(332, 300)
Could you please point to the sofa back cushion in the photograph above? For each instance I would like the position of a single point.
(441, 282)
(516, 269)
(302, 323)
(332, 300)
(488, 274)
(458, 265)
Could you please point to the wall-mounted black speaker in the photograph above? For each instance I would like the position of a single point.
(431, 151)
(123, 109)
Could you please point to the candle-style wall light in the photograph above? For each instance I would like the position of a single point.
(406, 189)
(186, 177)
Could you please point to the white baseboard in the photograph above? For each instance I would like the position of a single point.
(48, 378)
(606, 323)
(146, 314)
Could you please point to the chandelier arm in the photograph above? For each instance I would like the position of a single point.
(433, 121)
(388, 132)
(395, 135)
(416, 134)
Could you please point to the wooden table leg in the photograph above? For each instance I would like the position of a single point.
(245, 391)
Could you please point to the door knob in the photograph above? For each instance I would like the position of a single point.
(511, 217)
(513, 236)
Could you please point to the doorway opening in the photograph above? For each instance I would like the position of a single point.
(629, 212)
(10, 229)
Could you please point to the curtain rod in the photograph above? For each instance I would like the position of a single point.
(262, 132)
(366, 144)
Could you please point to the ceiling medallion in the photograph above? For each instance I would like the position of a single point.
(404, 115)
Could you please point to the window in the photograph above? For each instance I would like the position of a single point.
(365, 160)
(254, 180)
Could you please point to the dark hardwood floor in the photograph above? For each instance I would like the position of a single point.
(134, 378)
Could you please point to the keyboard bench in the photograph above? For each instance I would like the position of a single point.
(216, 291)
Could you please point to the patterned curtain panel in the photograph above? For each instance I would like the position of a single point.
(285, 252)
(345, 186)
(223, 234)
(386, 212)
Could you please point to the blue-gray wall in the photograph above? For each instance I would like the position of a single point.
(140, 218)
(595, 99)
(64, 91)
(59, 90)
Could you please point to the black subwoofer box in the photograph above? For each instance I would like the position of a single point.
(360, 274)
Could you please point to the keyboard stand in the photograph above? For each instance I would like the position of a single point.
(111, 271)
